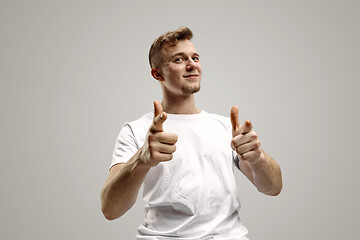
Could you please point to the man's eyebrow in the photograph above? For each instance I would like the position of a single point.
(183, 54)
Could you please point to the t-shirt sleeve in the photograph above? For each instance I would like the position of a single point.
(125, 146)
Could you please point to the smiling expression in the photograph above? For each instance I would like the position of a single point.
(180, 73)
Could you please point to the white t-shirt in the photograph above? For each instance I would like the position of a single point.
(194, 195)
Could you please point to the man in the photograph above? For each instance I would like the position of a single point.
(184, 156)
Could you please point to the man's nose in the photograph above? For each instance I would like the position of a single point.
(191, 64)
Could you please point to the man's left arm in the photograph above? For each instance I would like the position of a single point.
(258, 166)
(265, 175)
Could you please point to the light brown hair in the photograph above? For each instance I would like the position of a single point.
(171, 37)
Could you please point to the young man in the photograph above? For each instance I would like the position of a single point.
(184, 156)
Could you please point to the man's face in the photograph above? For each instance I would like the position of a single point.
(181, 70)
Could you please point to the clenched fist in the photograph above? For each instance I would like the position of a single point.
(159, 146)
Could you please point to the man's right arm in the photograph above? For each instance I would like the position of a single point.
(120, 190)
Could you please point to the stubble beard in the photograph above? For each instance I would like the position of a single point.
(188, 90)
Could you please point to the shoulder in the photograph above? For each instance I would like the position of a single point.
(143, 120)
(141, 124)
(134, 132)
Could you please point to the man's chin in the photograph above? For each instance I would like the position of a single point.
(191, 90)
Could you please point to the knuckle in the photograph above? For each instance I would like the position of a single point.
(172, 137)
(254, 135)
(238, 150)
(151, 137)
(233, 142)
(153, 155)
(151, 145)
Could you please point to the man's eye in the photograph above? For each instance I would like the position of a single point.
(178, 60)
(196, 59)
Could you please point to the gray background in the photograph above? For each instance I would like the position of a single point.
(72, 72)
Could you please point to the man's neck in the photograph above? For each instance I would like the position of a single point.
(180, 105)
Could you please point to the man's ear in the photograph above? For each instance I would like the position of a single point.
(155, 72)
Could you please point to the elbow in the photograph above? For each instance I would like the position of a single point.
(112, 212)
(108, 214)
(276, 187)
(107, 208)
(279, 190)
(273, 191)
(107, 211)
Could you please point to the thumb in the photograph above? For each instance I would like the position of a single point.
(234, 117)
(159, 118)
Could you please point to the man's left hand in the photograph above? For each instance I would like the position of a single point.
(245, 140)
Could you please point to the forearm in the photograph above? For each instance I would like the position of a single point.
(121, 189)
(267, 175)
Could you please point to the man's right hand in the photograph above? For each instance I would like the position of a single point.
(159, 146)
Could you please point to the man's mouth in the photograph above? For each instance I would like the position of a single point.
(191, 76)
